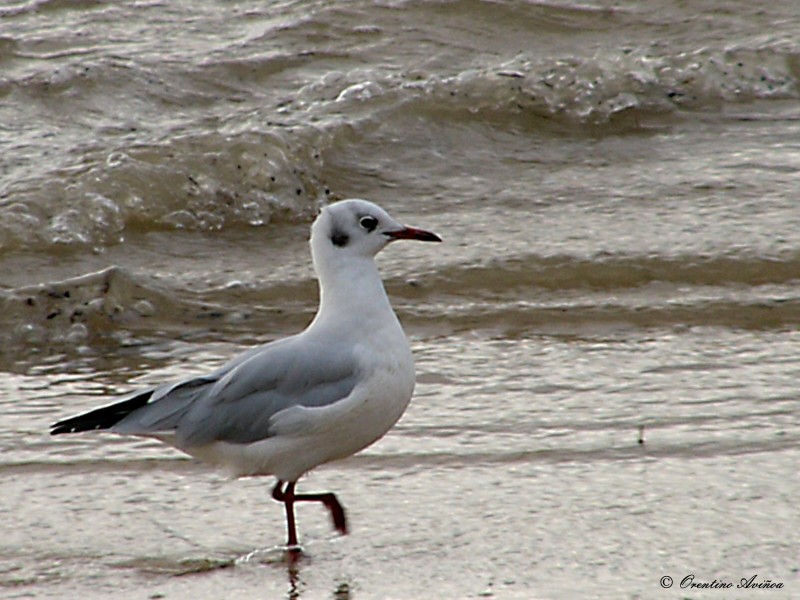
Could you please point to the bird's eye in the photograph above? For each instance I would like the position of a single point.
(368, 222)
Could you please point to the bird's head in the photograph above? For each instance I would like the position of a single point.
(359, 228)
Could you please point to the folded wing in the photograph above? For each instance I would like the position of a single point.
(235, 404)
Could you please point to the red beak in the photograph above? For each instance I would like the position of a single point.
(412, 233)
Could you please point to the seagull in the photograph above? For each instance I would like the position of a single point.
(293, 404)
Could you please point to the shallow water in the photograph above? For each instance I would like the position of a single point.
(616, 188)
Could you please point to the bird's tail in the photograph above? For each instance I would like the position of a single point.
(104, 417)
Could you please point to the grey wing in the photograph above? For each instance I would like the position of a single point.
(237, 403)
(165, 407)
(168, 404)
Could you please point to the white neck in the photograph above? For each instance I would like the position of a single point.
(352, 286)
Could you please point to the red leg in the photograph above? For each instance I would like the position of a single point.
(288, 498)
(331, 502)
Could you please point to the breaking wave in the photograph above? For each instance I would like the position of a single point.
(546, 294)
(272, 166)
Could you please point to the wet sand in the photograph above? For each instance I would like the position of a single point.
(465, 497)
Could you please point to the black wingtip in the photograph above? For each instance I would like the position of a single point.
(101, 418)
(62, 427)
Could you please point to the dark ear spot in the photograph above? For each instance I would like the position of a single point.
(339, 238)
